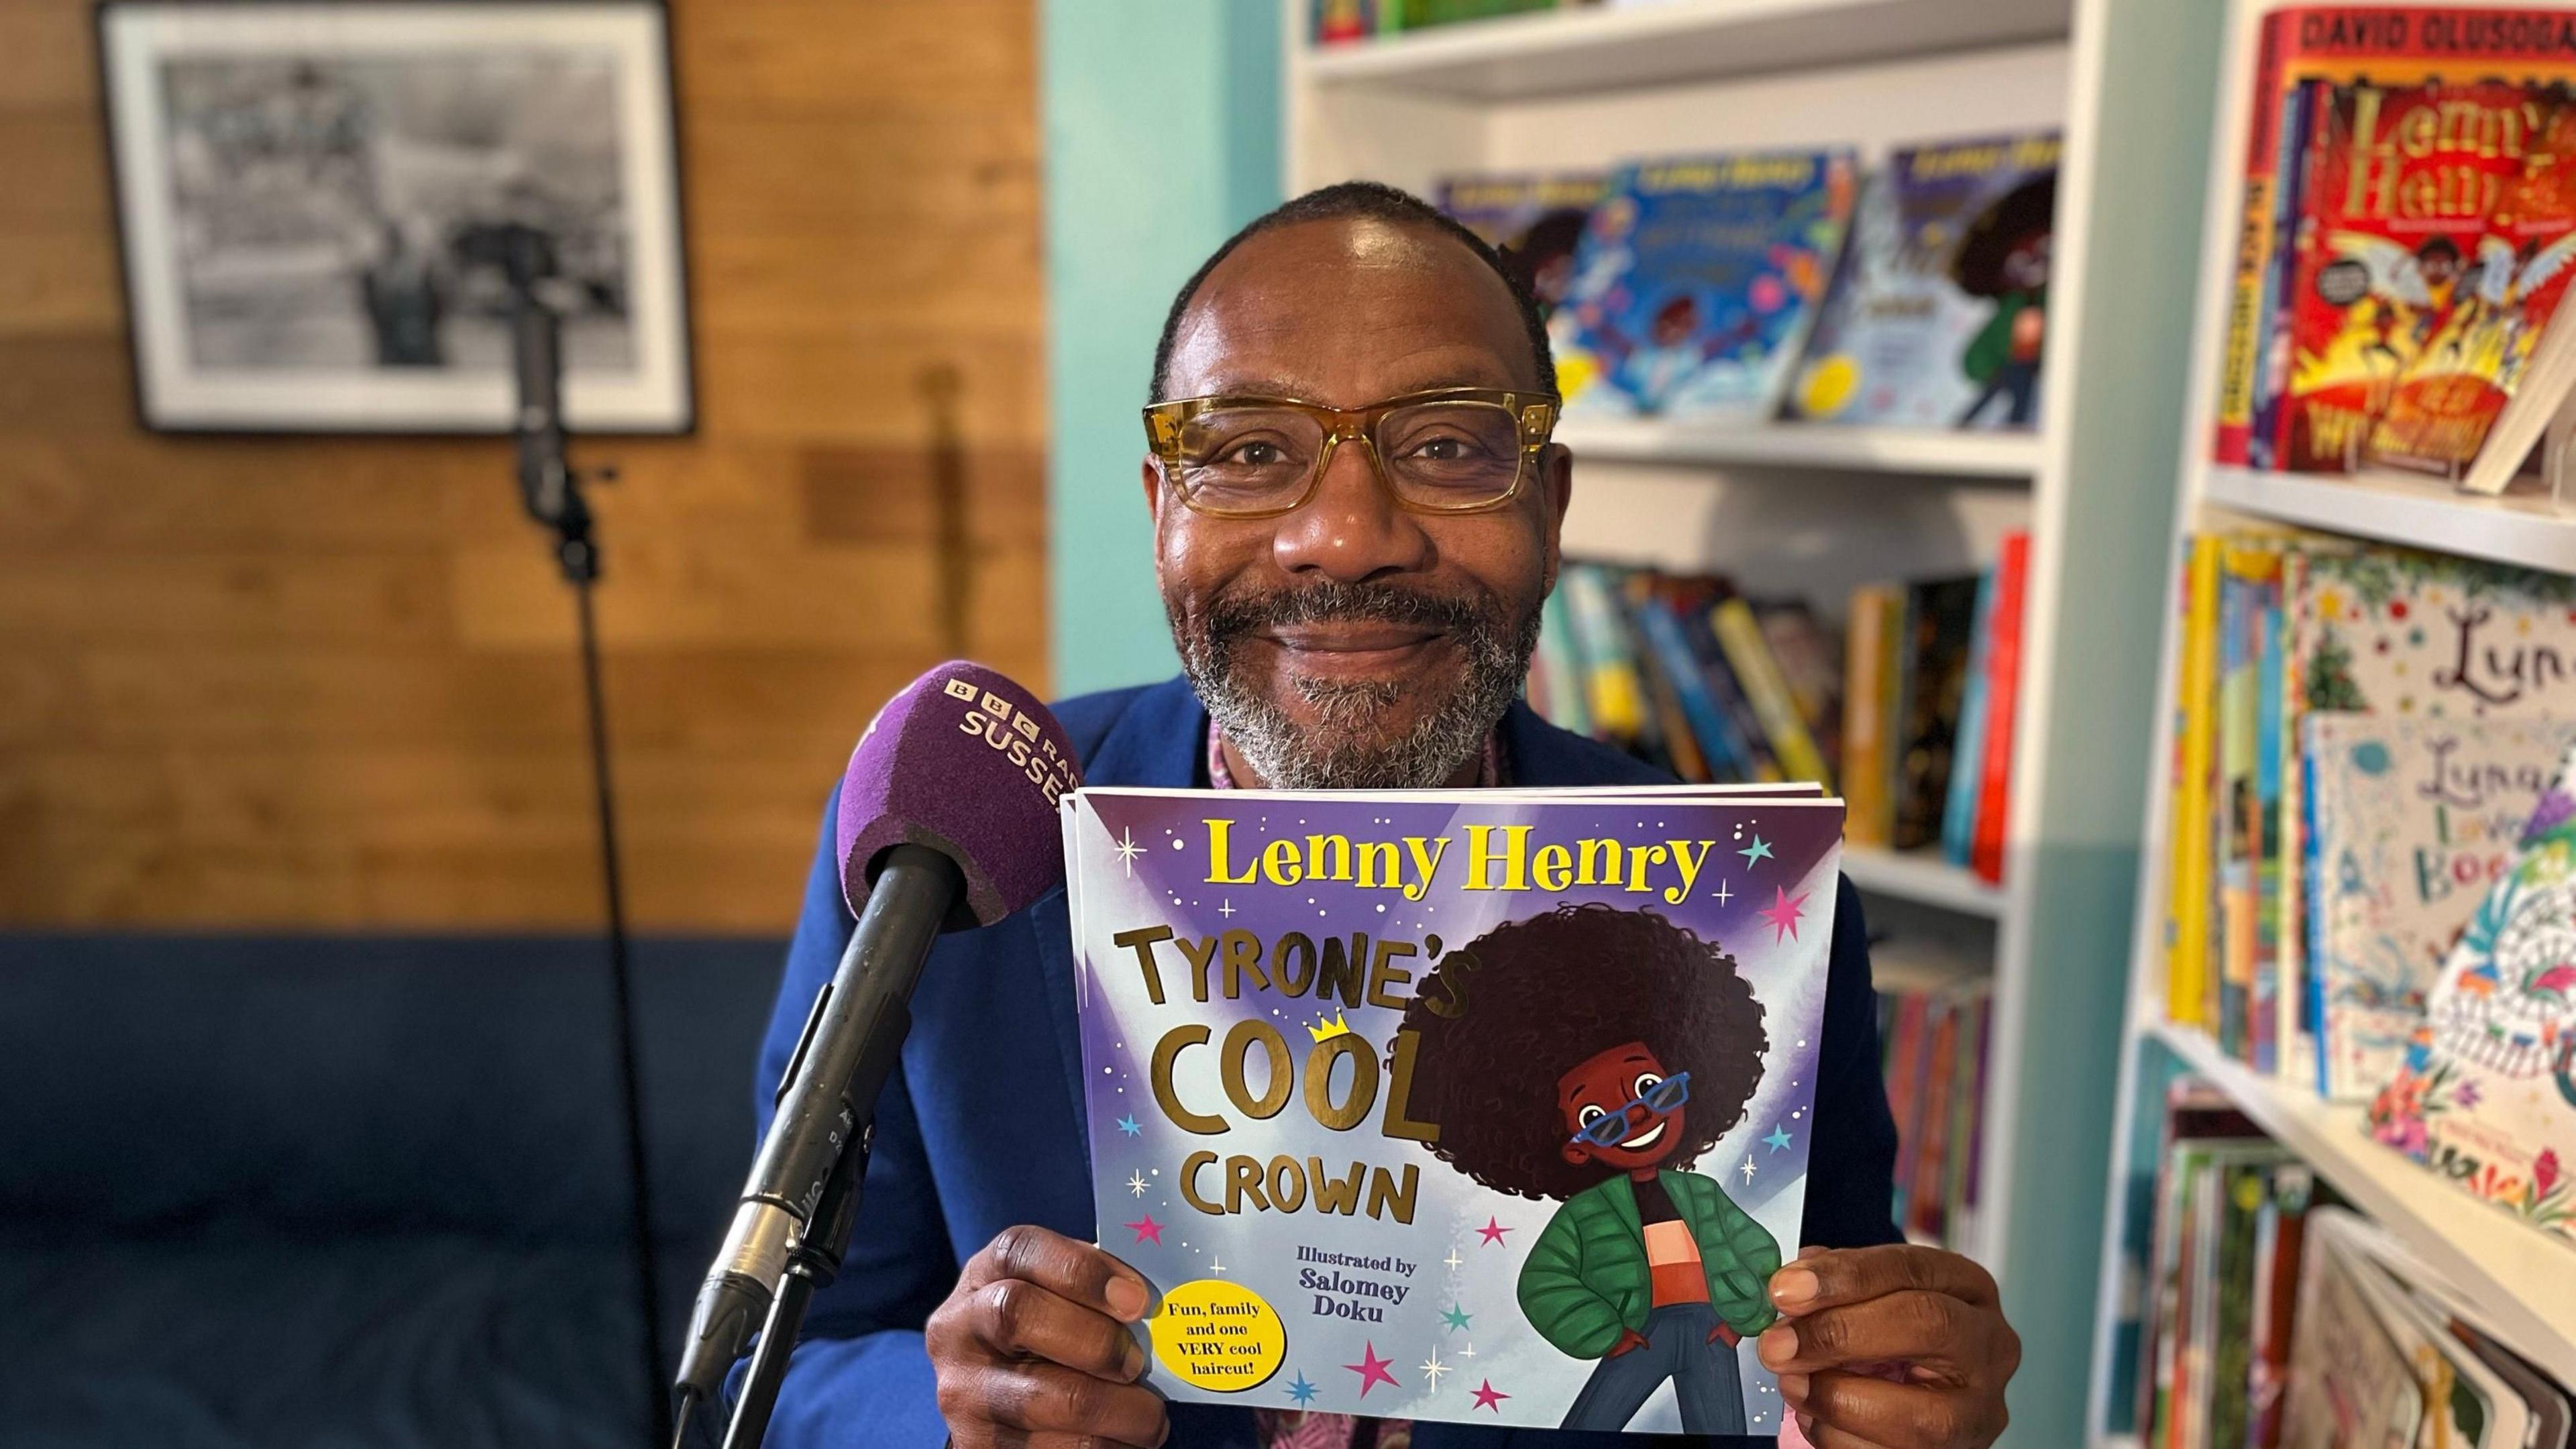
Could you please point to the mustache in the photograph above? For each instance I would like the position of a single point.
(1337, 601)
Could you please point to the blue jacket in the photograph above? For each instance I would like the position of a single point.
(983, 1127)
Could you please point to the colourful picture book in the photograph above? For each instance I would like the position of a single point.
(2486, 1093)
(1938, 313)
(1697, 283)
(1534, 221)
(1477, 1106)
(2413, 817)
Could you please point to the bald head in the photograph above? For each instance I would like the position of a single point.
(1335, 260)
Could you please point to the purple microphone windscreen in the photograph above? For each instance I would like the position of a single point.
(971, 765)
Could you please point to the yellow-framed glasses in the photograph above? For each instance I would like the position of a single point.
(1452, 450)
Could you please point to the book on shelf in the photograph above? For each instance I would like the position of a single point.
(2485, 1094)
(1534, 221)
(1691, 674)
(2270, 1315)
(1936, 317)
(1340, 21)
(2412, 816)
(1933, 1043)
(2278, 628)
(2406, 225)
(1340, 1092)
(1697, 281)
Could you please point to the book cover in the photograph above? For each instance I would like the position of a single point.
(1938, 313)
(1453, 1105)
(2413, 816)
(2271, 1008)
(1614, 695)
(1534, 221)
(1940, 615)
(2003, 701)
(2485, 1094)
(1766, 688)
(1693, 602)
(2350, 1383)
(2254, 243)
(1810, 658)
(1869, 688)
(1559, 691)
(2392, 631)
(2187, 961)
(1968, 750)
(1697, 282)
(2410, 171)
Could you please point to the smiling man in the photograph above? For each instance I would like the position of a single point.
(1356, 509)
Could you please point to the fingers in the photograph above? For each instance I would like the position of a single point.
(1862, 1410)
(1070, 1269)
(1932, 1330)
(1016, 1319)
(1853, 1275)
(1034, 1402)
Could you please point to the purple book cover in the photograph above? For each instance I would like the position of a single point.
(1486, 1106)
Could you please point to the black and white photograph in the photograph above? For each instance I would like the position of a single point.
(328, 212)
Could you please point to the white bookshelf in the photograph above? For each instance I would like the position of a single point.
(2511, 1276)
(1814, 509)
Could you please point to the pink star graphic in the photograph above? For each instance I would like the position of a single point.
(1489, 1397)
(1372, 1370)
(1783, 914)
(1492, 1231)
(1148, 1231)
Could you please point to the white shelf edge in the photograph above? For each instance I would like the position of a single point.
(1923, 877)
(2518, 1278)
(1600, 48)
(2396, 508)
(2013, 456)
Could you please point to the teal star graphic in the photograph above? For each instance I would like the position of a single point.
(1456, 1317)
(1778, 1139)
(1760, 849)
(1301, 1390)
(1127, 1124)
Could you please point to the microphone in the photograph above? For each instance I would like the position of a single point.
(947, 821)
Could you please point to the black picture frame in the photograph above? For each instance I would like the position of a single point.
(300, 189)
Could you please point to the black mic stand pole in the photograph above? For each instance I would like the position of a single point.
(552, 492)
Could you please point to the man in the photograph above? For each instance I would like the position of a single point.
(1342, 622)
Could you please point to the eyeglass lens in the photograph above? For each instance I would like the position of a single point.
(1436, 455)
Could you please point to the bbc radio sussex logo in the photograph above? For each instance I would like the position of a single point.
(1016, 734)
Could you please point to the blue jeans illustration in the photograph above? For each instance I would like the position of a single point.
(1677, 1347)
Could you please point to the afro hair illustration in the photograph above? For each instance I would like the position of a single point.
(1500, 1021)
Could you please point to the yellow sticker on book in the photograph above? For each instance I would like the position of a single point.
(1219, 1335)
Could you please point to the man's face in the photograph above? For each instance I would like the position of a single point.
(1352, 643)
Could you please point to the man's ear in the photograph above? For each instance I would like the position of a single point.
(1153, 480)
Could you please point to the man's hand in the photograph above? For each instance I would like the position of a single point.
(1930, 1318)
(1032, 1348)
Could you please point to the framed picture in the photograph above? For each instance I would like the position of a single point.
(317, 202)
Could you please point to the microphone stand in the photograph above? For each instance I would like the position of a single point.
(552, 492)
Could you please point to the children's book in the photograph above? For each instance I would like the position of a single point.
(2414, 816)
(1534, 221)
(2486, 1092)
(1697, 282)
(1484, 1106)
(1937, 315)
(2390, 631)
(2350, 1384)
(1940, 620)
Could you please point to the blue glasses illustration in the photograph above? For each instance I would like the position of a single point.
(1611, 1128)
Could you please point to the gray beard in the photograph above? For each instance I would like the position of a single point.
(1346, 748)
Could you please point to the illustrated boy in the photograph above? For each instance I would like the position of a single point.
(1589, 1055)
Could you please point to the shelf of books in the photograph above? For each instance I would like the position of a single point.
(1862, 348)
(1910, 451)
(2348, 1106)
(1552, 50)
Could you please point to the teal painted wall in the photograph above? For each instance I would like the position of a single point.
(1161, 134)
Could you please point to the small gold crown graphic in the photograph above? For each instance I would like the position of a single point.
(1324, 1030)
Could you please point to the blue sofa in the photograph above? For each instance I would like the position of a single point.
(274, 1193)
